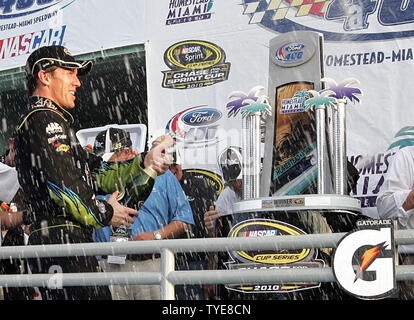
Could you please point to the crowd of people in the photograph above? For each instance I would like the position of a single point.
(66, 193)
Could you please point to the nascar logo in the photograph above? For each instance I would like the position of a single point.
(261, 233)
(27, 43)
(266, 228)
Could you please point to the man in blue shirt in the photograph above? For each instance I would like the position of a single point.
(164, 211)
(164, 215)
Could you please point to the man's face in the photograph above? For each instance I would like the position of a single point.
(176, 169)
(63, 85)
(238, 186)
(125, 155)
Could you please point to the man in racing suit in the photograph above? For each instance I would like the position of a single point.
(55, 173)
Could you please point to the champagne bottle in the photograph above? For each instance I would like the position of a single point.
(139, 187)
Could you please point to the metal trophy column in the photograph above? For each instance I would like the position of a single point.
(251, 156)
(321, 147)
(251, 137)
(318, 102)
(339, 94)
(339, 145)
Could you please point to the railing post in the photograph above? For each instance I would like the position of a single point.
(167, 266)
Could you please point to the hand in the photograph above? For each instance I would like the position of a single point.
(11, 220)
(122, 214)
(10, 156)
(157, 157)
(409, 202)
(143, 236)
(210, 218)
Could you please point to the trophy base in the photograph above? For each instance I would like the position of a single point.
(286, 215)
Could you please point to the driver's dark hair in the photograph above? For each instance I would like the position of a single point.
(31, 80)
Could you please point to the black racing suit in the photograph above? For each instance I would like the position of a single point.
(55, 173)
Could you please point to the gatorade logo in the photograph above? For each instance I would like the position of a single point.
(364, 263)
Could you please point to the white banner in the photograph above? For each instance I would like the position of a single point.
(370, 42)
(202, 55)
(81, 26)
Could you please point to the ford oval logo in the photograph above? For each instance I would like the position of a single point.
(294, 47)
(201, 117)
(294, 53)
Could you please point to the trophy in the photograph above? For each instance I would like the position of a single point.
(300, 188)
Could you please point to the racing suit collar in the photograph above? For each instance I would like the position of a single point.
(41, 102)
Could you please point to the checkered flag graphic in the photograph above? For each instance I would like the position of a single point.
(257, 9)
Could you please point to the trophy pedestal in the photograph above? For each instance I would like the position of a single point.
(286, 215)
(325, 202)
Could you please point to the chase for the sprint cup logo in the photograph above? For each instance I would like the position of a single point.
(194, 64)
(338, 20)
(271, 259)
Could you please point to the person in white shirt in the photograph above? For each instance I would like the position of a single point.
(396, 201)
(9, 187)
(8, 175)
(9, 183)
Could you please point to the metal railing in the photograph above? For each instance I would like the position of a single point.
(167, 278)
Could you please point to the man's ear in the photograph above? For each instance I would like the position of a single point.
(44, 77)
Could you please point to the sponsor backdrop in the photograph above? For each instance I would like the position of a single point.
(203, 55)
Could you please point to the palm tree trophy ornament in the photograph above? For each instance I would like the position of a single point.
(335, 97)
(252, 107)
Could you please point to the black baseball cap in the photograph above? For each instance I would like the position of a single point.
(230, 162)
(59, 56)
(109, 141)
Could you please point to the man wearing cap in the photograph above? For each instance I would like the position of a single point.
(165, 214)
(55, 172)
(230, 164)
